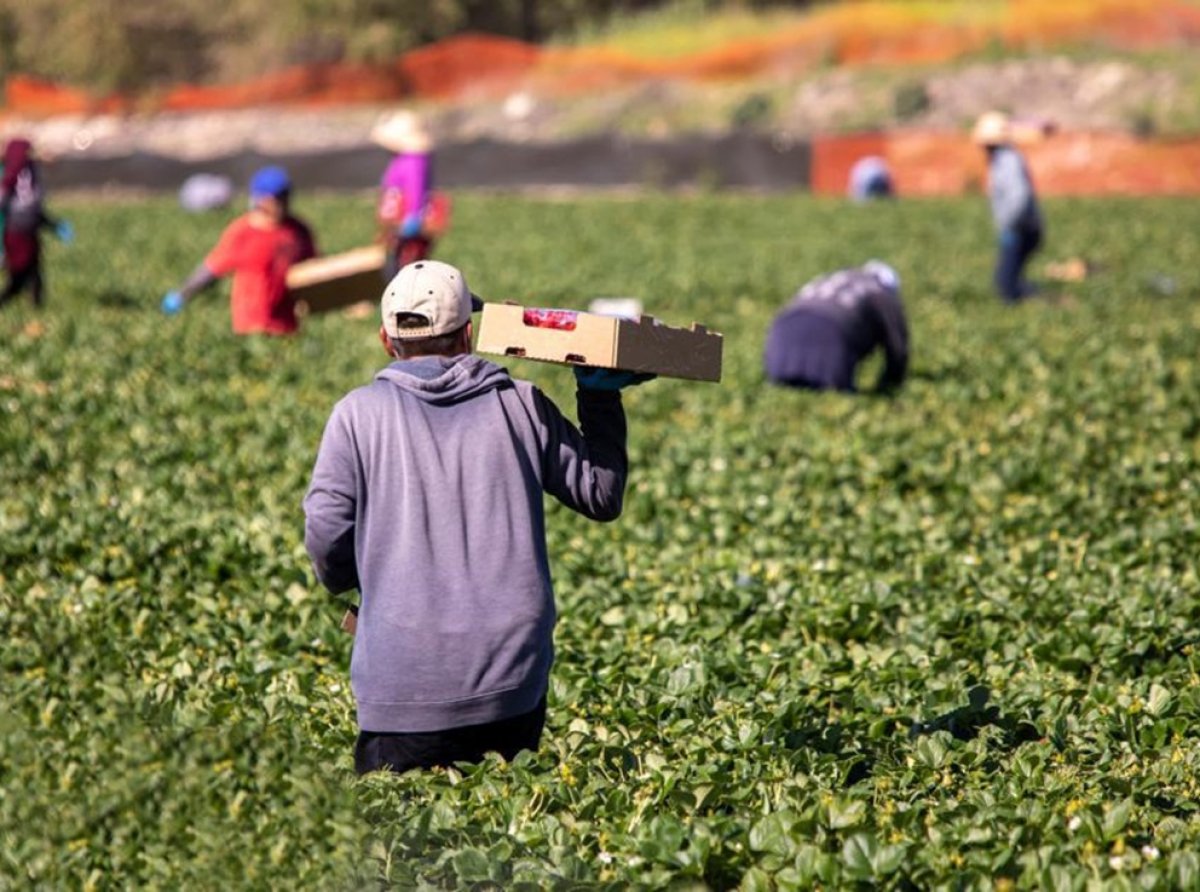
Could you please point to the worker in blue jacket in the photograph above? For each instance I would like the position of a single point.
(832, 324)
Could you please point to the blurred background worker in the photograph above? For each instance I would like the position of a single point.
(257, 248)
(833, 323)
(870, 178)
(411, 215)
(205, 192)
(23, 216)
(1014, 205)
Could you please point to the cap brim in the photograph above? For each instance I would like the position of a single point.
(476, 302)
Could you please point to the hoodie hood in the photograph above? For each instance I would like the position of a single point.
(442, 380)
(18, 155)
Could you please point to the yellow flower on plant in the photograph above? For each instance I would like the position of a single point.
(567, 775)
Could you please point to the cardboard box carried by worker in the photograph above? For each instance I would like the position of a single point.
(569, 337)
(339, 280)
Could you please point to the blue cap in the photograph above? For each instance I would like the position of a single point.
(269, 181)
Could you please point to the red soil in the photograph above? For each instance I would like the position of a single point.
(467, 63)
(1066, 164)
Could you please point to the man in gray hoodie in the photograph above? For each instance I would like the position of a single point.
(426, 496)
(1015, 208)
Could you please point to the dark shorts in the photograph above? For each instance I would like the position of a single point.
(379, 751)
(22, 250)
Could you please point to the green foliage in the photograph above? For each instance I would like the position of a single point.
(910, 100)
(678, 27)
(110, 44)
(945, 640)
(752, 111)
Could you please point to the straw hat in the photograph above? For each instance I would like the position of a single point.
(402, 131)
(992, 129)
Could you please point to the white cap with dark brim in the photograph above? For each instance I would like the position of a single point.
(436, 291)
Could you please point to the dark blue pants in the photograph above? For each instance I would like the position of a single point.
(806, 349)
(377, 751)
(1016, 247)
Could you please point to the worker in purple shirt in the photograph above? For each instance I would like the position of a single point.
(832, 324)
(411, 215)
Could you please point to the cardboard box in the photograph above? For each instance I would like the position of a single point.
(575, 338)
(339, 280)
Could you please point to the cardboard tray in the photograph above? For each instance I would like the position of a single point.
(644, 345)
(339, 280)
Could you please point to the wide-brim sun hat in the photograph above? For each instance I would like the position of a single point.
(992, 129)
(403, 132)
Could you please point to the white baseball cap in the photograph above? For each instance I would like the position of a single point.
(430, 289)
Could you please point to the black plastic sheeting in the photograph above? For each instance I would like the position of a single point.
(744, 160)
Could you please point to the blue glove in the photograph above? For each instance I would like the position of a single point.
(173, 303)
(411, 227)
(1008, 238)
(65, 232)
(611, 380)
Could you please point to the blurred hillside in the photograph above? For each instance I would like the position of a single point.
(95, 79)
(106, 45)
(627, 66)
(145, 50)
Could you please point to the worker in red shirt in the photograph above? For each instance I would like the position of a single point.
(257, 248)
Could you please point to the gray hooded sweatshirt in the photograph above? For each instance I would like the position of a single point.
(427, 497)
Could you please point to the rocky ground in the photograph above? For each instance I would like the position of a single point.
(1090, 95)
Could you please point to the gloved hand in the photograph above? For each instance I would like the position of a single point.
(65, 232)
(1008, 238)
(411, 227)
(611, 380)
(173, 303)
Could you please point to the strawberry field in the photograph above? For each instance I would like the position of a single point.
(945, 640)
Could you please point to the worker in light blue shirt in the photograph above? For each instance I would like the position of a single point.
(1015, 208)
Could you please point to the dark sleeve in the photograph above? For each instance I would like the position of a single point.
(308, 243)
(895, 338)
(202, 277)
(585, 470)
(331, 507)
